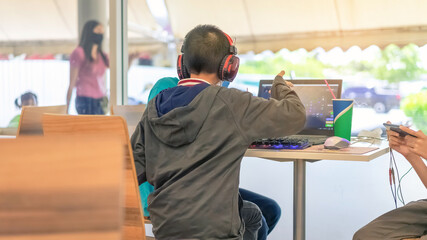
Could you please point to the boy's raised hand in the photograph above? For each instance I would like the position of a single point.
(281, 74)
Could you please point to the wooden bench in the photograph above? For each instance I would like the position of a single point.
(131, 113)
(30, 122)
(133, 227)
(49, 192)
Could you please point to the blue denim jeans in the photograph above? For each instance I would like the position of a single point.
(87, 105)
(270, 210)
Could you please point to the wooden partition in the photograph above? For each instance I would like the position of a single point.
(106, 125)
(61, 188)
(30, 122)
(131, 113)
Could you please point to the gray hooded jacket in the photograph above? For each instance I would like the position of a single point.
(192, 155)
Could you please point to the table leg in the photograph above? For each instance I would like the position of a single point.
(299, 199)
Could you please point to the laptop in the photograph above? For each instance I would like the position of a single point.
(317, 99)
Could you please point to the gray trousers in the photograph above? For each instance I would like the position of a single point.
(252, 218)
(404, 222)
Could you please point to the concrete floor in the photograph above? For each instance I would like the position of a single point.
(341, 196)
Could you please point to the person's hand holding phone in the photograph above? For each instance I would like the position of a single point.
(397, 143)
(418, 144)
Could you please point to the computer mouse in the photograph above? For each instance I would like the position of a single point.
(336, 143)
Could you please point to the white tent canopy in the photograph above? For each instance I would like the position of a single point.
(50, 26)
(276, 24)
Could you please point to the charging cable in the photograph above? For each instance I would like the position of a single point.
(396, 192)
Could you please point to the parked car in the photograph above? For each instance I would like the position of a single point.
(381, 100)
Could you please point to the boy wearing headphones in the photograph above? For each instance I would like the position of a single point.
(270, 210)
(207, 129)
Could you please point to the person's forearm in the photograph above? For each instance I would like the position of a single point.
(419, 167)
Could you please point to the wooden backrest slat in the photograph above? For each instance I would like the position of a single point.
(30, 122)
(49, 190)
(131, 113)
(53, 124)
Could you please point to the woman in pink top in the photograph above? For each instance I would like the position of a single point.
(88, 64)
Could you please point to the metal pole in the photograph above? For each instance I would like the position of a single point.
(91, 10)
(299, 199)
(118, 52)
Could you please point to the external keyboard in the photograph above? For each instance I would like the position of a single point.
(280, 143)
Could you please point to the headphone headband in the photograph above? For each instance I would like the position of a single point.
(229, 38)
(228, 67)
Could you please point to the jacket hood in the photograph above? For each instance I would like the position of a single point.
(181, 125)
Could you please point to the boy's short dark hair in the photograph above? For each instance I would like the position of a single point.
(204, 48)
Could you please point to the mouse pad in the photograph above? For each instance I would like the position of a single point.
(350, 150)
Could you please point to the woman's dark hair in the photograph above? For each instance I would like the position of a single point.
(86, 41)
(204, 48)
(25, 97)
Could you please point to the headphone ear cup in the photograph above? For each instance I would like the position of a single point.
(181, 69)
(229, 68)
(184, 70)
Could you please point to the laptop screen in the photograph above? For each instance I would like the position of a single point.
(317, 99)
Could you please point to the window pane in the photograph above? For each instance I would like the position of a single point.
(151, 47)
(386, 84)
(37, 39)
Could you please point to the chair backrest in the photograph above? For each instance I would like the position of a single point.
(106, 125)
(30, 122)
(131, 113)
(49, 190)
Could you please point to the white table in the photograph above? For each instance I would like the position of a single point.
(300, 157)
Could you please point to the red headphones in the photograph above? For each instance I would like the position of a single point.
(227, 70)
